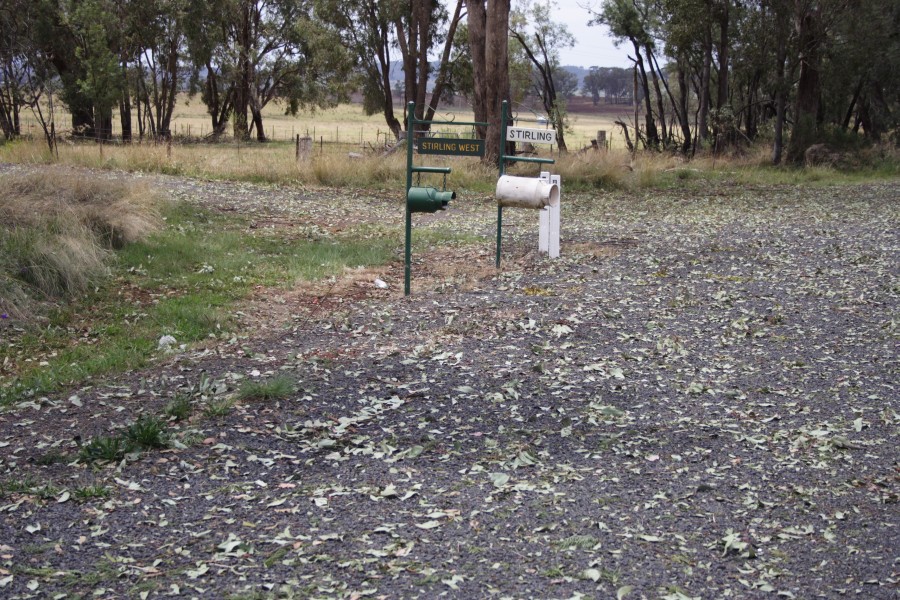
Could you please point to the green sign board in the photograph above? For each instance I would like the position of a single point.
(458, 147)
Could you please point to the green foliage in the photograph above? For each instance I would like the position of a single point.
(90, 492)
(219, 408)
(146, 433)
(271, 389)
(104, 448)
(179, 408)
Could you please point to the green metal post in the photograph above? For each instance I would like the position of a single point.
(410, 124)
(502, 161)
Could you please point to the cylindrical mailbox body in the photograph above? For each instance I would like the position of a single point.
(428, 199)
(526, 192)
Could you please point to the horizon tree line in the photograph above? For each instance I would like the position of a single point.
(708, 74)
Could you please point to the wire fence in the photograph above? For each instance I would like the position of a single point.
(317, 138)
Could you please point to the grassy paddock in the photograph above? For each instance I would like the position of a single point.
(344, 125)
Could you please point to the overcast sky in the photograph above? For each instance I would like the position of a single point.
(593, 45)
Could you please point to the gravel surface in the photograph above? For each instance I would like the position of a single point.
(698, 400)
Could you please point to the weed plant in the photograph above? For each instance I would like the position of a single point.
(219, 408)
(104, 448)
(90, 492)
(271, 389)
(179, 408)
(146, 433)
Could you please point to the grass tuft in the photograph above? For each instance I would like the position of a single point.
(178, 408)
(219, 408)
(271, 389)
(146, 433)
(104, 448)
(90, 492)
(57, 233)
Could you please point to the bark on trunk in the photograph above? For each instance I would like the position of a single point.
(477, 21)
(780, 91)
(242, 89)
(258, 124)
(659, 97)
(441, 80)
(705, 77)
(496, 73)
(650, 123)
(125, 107)
(722, 97)
(806, 107)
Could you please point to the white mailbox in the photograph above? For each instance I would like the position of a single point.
(526, 192)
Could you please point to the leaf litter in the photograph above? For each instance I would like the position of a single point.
(706, 410)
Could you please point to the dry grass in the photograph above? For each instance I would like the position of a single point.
(346, 123)
(58, 230)
(335, 167)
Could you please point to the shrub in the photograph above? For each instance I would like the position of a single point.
(57, 233)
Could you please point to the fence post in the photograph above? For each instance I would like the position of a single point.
(304, 147)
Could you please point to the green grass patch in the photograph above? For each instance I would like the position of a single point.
(184, 281)
(179, 408)
(270, 389)
(90, 492)
(219, 408)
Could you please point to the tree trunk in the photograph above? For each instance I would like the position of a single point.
(705, 94)
(781, 91)
(724, 18)
(103, 124)
(659, 97)
(806, 106)
(422, 14)
(496, 74)
(125, 107)
(850, 110)
(477, 21)
(650, 123)
(242, 85)
(441, 80)
(682, 108)
(172, 76)
(258, 124)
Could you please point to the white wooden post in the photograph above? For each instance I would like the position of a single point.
(544, 232)
(548, 236)
(554, 219)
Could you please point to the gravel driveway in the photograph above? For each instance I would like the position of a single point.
(698, 400)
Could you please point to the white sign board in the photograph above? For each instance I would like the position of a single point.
(531, 136)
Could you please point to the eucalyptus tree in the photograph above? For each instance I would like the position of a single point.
(26, 75)
(542, 38)
(488, 25)
(375, 32)
(158, 37)
(627, 20)
(254, 52)
(13, 67)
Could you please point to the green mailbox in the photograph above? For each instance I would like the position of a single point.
(427, 199)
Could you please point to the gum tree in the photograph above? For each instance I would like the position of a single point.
(541, 38)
